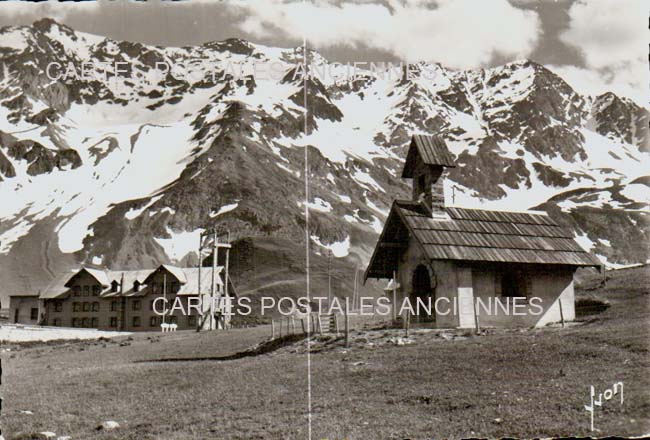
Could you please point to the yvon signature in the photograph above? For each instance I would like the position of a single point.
(608, 394)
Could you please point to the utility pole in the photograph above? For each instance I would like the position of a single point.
(122, 323)
(329, 278)
(227, 298)
(355, 293)
(215, 255)
(164, 296)
(394, 296)
(198, 290)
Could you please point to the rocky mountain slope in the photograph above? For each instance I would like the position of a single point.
(125, 165)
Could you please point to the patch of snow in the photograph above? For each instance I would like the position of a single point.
(224, 209)
(295, 173)
(135, 212)
(584, 241)
(14, 39)
(365, 180)
(318, 205)
(339, 248)
(376, 208)
(637, 192)
(344, 199)
(180, 244)
(125, 174)
(605, 242)
(23, 333)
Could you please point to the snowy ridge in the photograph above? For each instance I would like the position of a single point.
(149, 161)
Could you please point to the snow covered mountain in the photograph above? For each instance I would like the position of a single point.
(125, 169)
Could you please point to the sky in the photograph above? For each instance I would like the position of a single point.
(595, 45)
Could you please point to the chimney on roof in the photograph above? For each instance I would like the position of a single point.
(426, 163)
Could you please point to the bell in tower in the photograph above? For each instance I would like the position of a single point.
(426, 160)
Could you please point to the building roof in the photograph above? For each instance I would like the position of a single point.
(98, 274)
(478, 236)
(57, 286)
(431, 150)
(186, 276)
(178, 272)
(192, 276)
(130, 277)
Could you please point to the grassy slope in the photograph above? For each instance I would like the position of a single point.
(535, 381)
(275, 267)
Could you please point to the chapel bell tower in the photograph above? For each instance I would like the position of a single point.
(426, 160)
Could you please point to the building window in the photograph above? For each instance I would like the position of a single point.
(33, 314)
(94, 322)
(191, 321)
(75, 307)
(114, 286)
(84, 322)
(113, 306)
(56, 322)
(136, 286)
(136, 321)
(136, 304)
(95, 307)
(113, 322)
(515, 284)
(86, 290)
(85, 307)
(153, 322)
(421, 184)
(75, 322)
(76, 291)
(58, 306)
(96, 290)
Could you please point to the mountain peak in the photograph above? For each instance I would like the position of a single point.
(44, 24)
(48, 24)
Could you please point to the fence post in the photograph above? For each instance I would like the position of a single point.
(407, 322)
(347, 326)
(302, 324)
(561, 311)
(478, 327)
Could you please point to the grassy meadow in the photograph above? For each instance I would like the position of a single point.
(517, 383)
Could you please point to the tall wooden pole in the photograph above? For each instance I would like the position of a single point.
(347, 325)
(354, 289)
(407, 323)
(198, 290)
(329, 278)
(394, 296)
(164, 296)
(226, 286)
(122, 304)
(214, 270)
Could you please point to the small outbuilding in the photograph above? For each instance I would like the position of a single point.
(458, 267)
(25, 309)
